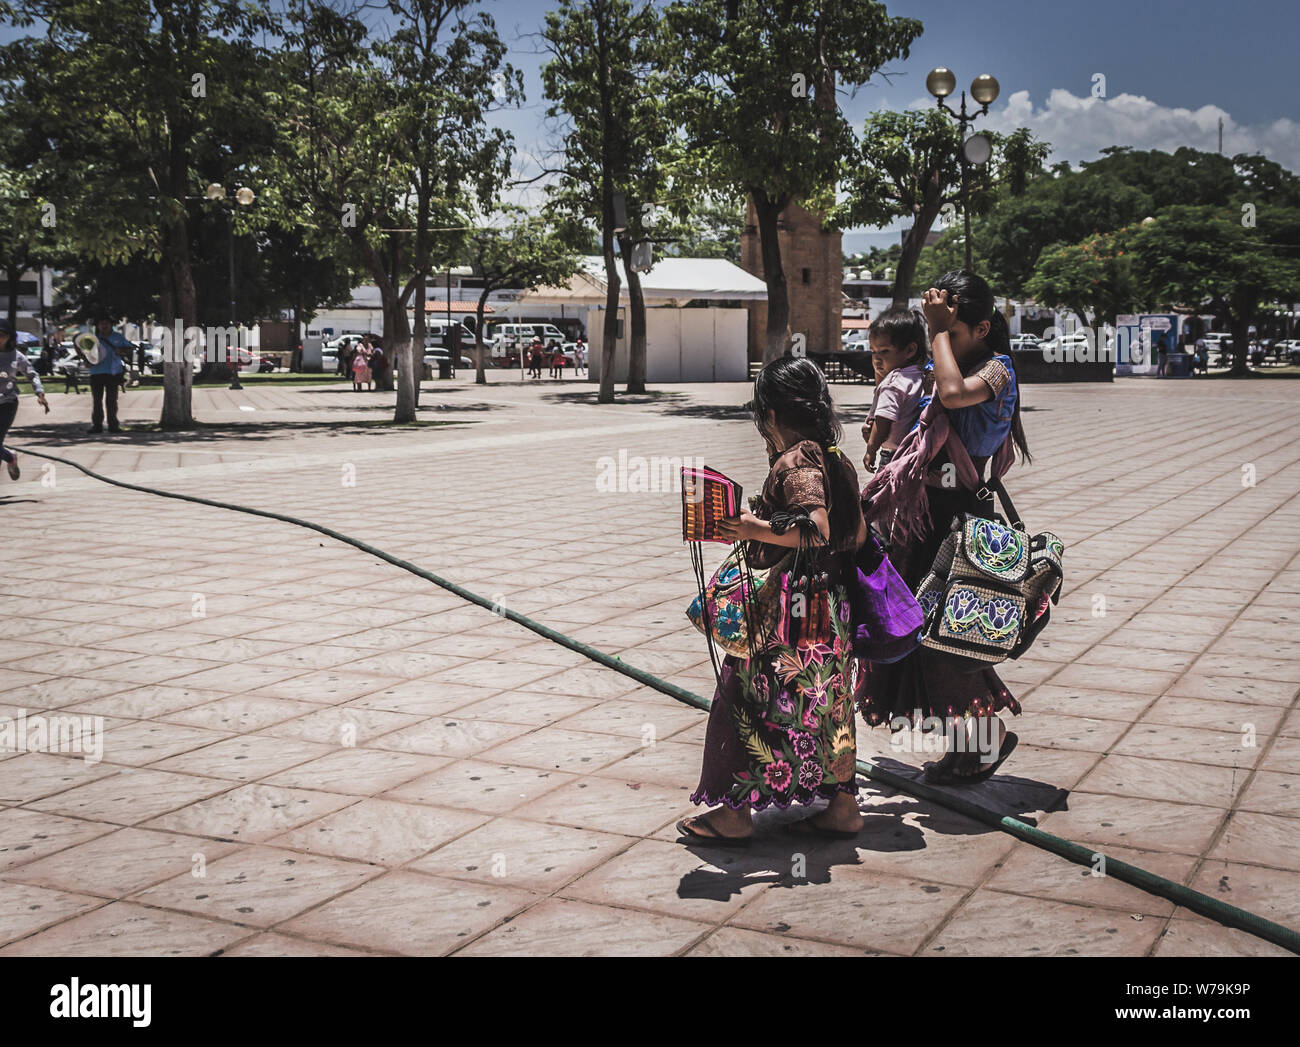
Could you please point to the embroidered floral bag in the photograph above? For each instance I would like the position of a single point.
(740, 607)
(990, 591)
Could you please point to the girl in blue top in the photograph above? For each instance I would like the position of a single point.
(975, 383)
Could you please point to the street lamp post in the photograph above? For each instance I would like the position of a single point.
(976, 149)
(244, 197)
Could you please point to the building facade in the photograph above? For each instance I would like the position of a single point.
(813, 262)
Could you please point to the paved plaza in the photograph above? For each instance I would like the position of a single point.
(307, 750)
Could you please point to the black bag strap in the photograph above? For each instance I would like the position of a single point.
(996, 487)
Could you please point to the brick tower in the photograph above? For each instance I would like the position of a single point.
(814, 273)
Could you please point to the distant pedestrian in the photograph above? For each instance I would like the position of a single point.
(13, 365)
(535, 358)
(106, 376)
(1202, 353)
(579, 355)
(557, 359)
(361, 369)
(378, 363)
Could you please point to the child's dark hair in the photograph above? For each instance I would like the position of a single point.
(901, 326)
(795, 389)
(974, 305)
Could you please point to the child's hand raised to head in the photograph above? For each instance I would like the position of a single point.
(939, 311)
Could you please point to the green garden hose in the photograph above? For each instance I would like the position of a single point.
(1202, 904)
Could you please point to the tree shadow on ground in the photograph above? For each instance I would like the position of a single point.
(669, 403)
(73, 436)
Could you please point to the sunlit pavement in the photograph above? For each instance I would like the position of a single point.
(309, 751)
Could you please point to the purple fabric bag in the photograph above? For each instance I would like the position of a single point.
(887, 620)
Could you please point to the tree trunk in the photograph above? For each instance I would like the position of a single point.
(777, 336)
(295, 345)
(178, 373)
(408, 381)
(1240, 344)
(480, 366)
(921, 225)
(609, 336)
(636, 350)
(408, 378)
(397, 332)
(14, 276)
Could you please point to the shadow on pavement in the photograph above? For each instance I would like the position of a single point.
(73, 436)
(777, 854)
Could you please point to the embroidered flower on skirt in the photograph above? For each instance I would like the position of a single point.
(794, 720)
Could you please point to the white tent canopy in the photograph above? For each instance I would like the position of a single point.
(671, 281)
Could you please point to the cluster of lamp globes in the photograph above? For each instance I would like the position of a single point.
(217, 191)
(984, 89)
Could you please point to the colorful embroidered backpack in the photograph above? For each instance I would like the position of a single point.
(990, 591)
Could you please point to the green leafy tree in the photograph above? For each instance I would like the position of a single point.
(517, 252)
(447, 70)
(140, 103)
(1094, 279)
(753, 87)
(906, 164)
(1228, 260)
(600, 78)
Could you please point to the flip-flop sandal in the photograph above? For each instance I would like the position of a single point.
(940, 772)
(1008, 747)
(719, 840)
(807, 827)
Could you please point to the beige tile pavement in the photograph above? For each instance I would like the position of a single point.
(272, 697)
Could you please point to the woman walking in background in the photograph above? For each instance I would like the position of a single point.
(976, 402)
(781, 728)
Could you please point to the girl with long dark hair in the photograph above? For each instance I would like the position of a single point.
(781, 729)
(914, 500)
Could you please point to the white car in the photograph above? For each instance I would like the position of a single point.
(1022, 342)
(433, 356)
(861, 346)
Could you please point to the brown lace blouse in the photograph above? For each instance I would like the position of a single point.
(796, 480)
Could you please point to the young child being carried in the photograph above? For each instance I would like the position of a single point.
(898, 353)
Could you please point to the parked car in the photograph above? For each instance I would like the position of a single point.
(1024, 342)
(433, 357)
(1219, 348)
(860, 346)
(1289, 350)
(435, 333)
(504, 337)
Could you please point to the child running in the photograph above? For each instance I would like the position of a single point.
(976, 402)
(13, 365)
(781, 729)
(898, 352)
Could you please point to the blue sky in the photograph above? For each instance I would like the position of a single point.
(1172, 70)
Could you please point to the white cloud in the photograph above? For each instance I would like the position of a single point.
(1078, 128)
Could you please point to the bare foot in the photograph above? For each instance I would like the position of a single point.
(721, 822)
(842, 815)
